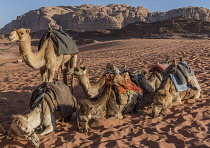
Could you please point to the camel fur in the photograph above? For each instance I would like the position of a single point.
(49, 102)
(149, 85)
(46, 59)
(108, 103)
(25, 125)
(91, 90)
(167, 96)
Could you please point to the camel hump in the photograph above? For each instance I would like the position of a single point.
(56, 94)
(63, 42)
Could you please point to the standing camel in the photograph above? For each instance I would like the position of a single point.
(46, 59)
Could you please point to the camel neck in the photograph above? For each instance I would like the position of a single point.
(84, 81)
(33, 60)
(34, 117)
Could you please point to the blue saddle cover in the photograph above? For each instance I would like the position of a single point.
(179, 87)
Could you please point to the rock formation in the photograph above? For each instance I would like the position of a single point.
(89, 17)
(81, 18)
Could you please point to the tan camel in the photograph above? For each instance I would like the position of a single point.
(57, 103)
(25, 125)
(91, 90)
(167, 95)
(46, 59)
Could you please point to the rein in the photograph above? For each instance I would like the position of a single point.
(19, 35)
(10, 46)
(110, 89)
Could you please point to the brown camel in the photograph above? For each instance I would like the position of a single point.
(167, 94)
(46, 59)
(108, 102)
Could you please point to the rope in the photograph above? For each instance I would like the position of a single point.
(10, 46)
(5, 132)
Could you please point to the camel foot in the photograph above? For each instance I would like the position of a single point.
(118, 117)
(164, 113)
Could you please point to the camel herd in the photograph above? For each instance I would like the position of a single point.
(116, 93)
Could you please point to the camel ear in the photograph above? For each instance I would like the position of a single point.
(167, 61)
(28, 30)
(174, 62)
(15, 117)
(143, 72)
(109, 66)
(83, 67)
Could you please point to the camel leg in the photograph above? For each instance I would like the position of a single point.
(73, 61)
(51, 125)
(51, 74)
(86, 128)
(65, 72)
(176, 102)
(156, 110)
(197, 95)
(48, 130)
(43, 73)
(73, 64)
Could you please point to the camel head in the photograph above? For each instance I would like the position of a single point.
(84, 115)
(162, 100)
(111, 69)
(20, 34)
(21, 126)
(80, 70)
(140, 75)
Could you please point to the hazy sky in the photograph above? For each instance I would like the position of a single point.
(10, 9)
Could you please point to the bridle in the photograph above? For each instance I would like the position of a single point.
(20, 130)
(18, 33)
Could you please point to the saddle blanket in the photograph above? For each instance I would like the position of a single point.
(179, 87)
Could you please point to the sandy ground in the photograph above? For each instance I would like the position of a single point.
(187, 125)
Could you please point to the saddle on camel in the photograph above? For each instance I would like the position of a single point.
(51, 101)
(179, 82)
(56, 49)
(124, 89)
(118, 96)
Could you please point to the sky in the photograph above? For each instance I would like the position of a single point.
(10, 9)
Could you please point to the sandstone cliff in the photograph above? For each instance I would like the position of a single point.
(81, 18)
(89, 17)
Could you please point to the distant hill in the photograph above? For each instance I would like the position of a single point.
(89, 17)
(178, 27)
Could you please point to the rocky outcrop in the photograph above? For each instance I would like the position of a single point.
(197, 13)
(178, 27)
(80, 18)
(89, 17)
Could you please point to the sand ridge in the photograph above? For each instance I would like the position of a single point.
(186, 125)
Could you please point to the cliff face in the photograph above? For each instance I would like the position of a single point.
(90, 17)
(197, 13)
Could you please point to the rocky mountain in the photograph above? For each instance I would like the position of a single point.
(89, 17)
(178, 27)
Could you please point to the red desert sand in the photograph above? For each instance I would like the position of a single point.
(187, 125)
